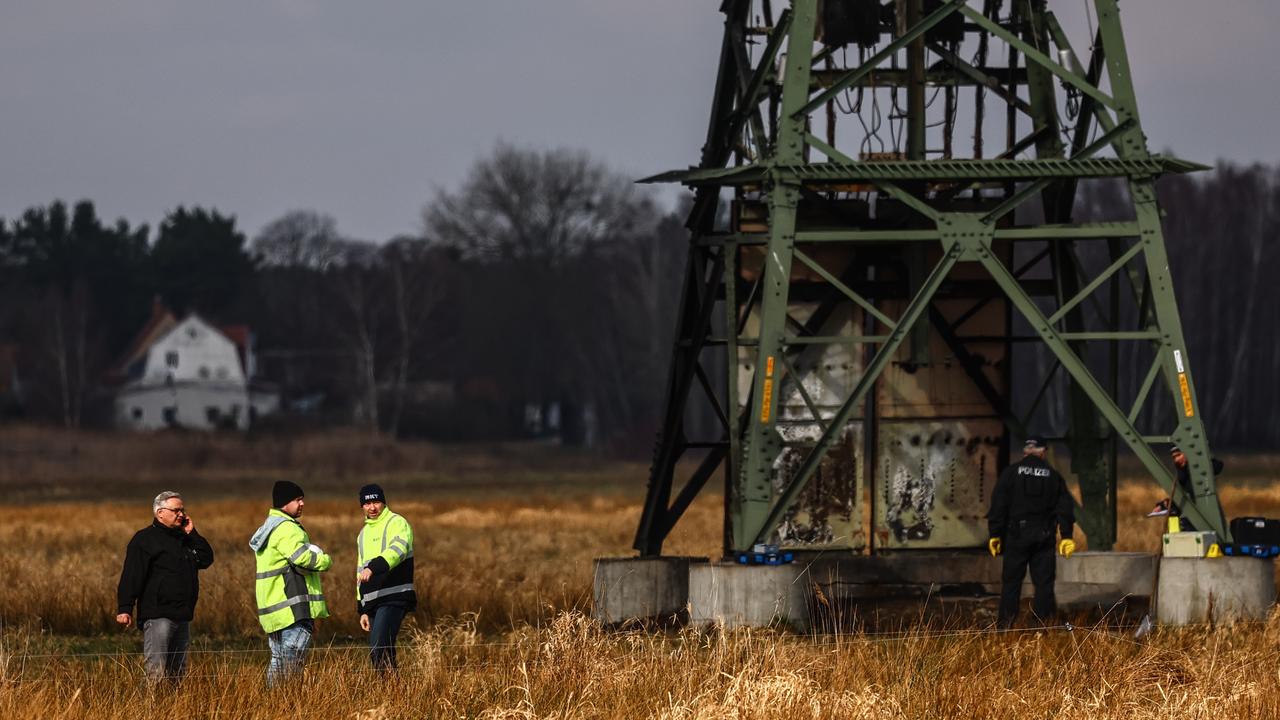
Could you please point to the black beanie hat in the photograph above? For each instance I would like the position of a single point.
(372, 493)
(285, 492)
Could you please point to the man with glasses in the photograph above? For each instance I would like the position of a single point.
(160, 577)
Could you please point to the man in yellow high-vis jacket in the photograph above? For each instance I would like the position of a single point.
(287, 584)
(384, 576)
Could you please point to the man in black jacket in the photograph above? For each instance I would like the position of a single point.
(1184, 484)
(161, 577)
(1029, 503)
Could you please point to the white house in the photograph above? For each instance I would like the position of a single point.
(191, 375)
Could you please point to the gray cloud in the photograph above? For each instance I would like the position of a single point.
(361, 110)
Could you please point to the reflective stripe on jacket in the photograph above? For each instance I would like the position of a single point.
(385, 546)
(287, 583)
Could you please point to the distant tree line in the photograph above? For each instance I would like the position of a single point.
(537, 294)
(543, 287)
(74, 290)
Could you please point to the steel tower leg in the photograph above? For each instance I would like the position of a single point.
(958, 210)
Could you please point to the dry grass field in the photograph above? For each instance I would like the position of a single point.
(505, 540)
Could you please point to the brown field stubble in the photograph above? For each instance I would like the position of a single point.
(505, 539)
(571, 669)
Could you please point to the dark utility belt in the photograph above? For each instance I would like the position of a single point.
(1030, 526)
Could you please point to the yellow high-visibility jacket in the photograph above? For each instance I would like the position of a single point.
(385, 546)
(288, 578)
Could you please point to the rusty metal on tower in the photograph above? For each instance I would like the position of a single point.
(885, 277)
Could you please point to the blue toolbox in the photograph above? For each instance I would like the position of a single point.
(765, 555)
(1258, 551)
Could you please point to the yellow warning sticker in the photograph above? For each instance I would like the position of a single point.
(1186, 395)
(766, 398)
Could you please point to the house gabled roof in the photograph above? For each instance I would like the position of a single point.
(162, 320)
(241, 336)
(238, 334)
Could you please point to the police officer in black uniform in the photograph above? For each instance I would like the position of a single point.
(1029, 504)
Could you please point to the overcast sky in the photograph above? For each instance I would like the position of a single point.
(363, 109)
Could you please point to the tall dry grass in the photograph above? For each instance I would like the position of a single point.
(508, 561)
(505, 539)
(506, 534)
(570, 669)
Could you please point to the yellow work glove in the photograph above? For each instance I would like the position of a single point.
(1066, 547)
(994, 546)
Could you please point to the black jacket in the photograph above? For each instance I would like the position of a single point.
(1029, 499)
(160, 573)
(383, 577)
(1184, 482)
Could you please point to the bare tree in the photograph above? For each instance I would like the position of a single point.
(525, 205)
(563, 248)
(415, 283)
(359, 293)
(62, 331)
(300, 239)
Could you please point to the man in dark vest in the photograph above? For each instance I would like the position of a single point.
(1030, 502)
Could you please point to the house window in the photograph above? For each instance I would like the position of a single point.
(136, 413)
(171, 416)
(212, 414)
(192, 333)
(171, 359)
(204, 372)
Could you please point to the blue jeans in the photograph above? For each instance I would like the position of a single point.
(288, 650)
(384, 625)
(164, 649)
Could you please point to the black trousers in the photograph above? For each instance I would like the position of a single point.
(1184, 524)
(1040, 558)
(384, 625)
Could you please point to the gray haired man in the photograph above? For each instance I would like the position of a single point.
(160, 577)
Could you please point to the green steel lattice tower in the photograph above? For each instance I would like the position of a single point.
(860, 229)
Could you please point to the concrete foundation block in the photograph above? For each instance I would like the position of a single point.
(733, 596)
(641, 589)
(1102, 579)
(679, 589)
(860, 577)
(1085, 580)
(1220, 590)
